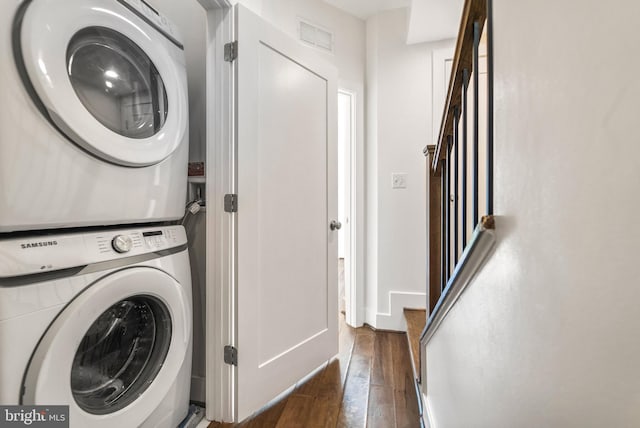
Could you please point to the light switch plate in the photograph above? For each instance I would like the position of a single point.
(398, 180)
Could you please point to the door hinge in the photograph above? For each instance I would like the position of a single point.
(231, 51)
(231, 203)
(230, 355)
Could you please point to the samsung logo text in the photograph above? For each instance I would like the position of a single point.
(38, 244)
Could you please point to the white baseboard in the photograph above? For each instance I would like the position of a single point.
(203, 423)
(427, 414)
(398, 301)
(370, 316)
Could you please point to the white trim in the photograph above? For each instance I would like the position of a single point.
(427, 415)
(440, 84)
(398, 301)
(356, 313)
(210, 5)
(220, 313)
(203, 423)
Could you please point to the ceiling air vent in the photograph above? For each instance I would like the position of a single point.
(315, 36)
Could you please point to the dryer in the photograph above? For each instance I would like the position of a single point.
(101, 322)
(94, 116)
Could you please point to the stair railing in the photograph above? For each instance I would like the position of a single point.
(460, 169)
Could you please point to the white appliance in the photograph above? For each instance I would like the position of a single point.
(99, 321)
(94, 115)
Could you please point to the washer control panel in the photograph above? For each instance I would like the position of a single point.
(122, 243)
(31, 255)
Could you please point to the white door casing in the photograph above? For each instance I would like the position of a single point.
(286, 282)
(347, 147)
(354, 260)
(442, 61)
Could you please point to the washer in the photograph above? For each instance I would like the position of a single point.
(94, 119)
(99, 321)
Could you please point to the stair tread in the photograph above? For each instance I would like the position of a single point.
(416, 320)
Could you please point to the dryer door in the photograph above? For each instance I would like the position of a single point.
(115, 351)
(108, 80)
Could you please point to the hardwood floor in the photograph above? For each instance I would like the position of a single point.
(416, 320)
(370, 384)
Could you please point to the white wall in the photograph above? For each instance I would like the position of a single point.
(190, 18)
(349, 31)
(547, 333)
(399, 124)
(371, 171)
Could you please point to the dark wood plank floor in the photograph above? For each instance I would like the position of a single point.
(370, 384)
(416, 320)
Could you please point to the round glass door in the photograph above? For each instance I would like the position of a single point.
(121, 354)
(117, 82)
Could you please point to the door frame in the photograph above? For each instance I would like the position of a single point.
(355, 309)
(220, 393)
(440, 83)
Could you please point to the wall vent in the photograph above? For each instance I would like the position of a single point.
(314, 35)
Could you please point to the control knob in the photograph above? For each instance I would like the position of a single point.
(122, 243)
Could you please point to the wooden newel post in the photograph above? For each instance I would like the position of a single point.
(434, 209)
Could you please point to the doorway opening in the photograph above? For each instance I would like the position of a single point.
(346, 204)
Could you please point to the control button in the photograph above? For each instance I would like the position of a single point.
(122, 243)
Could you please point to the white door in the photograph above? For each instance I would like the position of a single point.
(287, 303)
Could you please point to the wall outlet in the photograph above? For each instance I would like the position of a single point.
(398, 180)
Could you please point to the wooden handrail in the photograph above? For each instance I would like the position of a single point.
(474, 11)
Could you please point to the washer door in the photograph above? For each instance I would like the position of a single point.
(106, 79)
(114, 351)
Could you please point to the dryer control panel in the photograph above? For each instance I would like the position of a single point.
(45, 253)
(145, 11)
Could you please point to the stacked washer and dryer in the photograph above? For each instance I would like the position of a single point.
(95, 286)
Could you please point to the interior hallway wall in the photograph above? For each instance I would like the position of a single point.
(349, 31)
(546, 335)
(399, 124)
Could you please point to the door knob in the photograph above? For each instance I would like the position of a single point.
(335, 225)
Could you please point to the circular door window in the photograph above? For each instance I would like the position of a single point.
(121, 354)
(116, 82)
